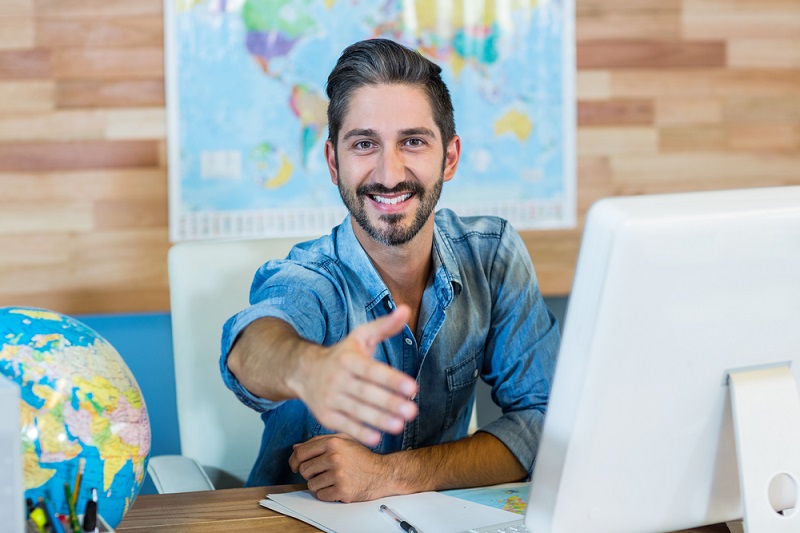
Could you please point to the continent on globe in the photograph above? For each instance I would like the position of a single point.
(79, 401)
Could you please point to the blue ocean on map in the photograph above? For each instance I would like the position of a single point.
(250, 78)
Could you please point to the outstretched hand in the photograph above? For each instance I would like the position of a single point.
(348, 391)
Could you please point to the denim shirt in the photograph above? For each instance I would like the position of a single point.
(482, 315)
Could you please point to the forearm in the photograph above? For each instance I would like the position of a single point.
(478, 460)
(267, 358)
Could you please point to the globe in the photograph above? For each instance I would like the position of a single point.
(80, 406)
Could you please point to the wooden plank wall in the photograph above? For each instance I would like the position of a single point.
(673, 95)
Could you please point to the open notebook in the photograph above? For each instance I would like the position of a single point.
(428, 512)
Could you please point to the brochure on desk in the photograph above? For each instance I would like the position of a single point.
(428, 512)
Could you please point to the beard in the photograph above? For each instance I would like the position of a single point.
(392, 232)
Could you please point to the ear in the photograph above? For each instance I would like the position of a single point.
(451, 156)
(330, 158)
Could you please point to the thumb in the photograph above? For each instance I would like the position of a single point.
(384, 327)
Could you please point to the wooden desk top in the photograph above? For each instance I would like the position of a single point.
(231, 510)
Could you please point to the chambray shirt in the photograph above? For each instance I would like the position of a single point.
(482, 315)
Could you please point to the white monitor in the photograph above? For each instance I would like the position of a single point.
(671, 294)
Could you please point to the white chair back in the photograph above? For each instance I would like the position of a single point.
(210, 282)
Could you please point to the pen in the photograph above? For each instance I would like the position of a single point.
(90, 516)
(78, 480)
(400, 521)
(52, 519)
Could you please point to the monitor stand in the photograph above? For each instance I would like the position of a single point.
(766, 420)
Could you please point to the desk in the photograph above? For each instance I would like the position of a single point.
(230, 511)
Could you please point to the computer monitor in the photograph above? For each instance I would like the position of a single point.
(671, 294)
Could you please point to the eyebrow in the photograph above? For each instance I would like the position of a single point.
(359, 133)
(427, 132)
(369, 132)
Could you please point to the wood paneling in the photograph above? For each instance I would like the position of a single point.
(83, 178)
(107, 63)
(121, 93)
(673, 95)
(141, 31)
(26, 96)
(634, 53)
(27, 64)
(616, 112)
(39, 156)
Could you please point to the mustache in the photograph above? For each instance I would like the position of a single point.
(402, 187)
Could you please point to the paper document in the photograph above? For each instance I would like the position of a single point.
(428, 512)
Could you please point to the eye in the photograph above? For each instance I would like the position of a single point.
(415, 141)
(363, 145)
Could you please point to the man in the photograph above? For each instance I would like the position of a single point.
(362, 349)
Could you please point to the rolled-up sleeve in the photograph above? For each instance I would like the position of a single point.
(305, 304)
(521, 351)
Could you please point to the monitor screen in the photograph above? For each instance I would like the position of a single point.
(671, 293)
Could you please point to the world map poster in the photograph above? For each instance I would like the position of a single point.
(247, 108)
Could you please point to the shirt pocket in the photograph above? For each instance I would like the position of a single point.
(461, 379)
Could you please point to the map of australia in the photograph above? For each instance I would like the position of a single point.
(248, 119)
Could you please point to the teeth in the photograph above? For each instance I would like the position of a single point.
(392, 201)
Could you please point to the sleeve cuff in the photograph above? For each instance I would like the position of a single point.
(235, 325)
(521, 432)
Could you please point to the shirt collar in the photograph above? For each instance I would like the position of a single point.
(446, 274)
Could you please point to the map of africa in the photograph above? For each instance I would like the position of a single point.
(79, 401)
(247, 112)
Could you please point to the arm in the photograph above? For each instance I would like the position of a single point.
(339, 469)
(344, 388)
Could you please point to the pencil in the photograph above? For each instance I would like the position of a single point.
(78, 480)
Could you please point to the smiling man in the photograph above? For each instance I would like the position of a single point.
(362, 349)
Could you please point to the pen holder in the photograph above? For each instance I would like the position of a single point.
(102, 526)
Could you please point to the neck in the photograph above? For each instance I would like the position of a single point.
(403, 268)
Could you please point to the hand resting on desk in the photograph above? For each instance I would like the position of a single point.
(337, 468)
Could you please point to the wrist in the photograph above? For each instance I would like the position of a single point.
(405, 473)
(304, 363)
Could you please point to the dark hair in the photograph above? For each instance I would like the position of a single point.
(381, 61)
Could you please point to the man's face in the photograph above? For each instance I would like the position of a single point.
(391, 162)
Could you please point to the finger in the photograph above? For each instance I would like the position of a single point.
(339, 421)
(313, 467)
(306, 451)
(324, 486)
(384, 327)
(377, 407)
(381, 374)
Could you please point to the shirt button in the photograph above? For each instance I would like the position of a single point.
(475, 374)
(389, 305)
(409, 341)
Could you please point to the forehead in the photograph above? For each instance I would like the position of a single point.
(388, 107)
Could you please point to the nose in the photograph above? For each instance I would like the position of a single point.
(391, 167)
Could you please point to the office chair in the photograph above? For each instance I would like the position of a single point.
(209, 282)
